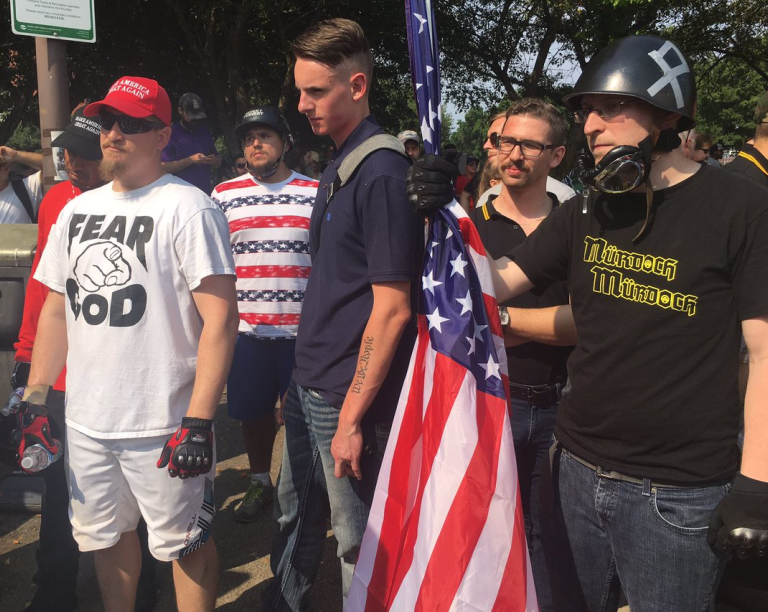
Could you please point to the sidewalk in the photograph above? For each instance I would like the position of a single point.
(243, 549)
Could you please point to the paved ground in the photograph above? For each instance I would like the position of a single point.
(243, 549)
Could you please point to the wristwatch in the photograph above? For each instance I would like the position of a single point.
(503, 316)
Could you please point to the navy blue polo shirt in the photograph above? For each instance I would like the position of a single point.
(368, 234)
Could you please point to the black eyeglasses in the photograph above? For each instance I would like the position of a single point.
(606, 111)
(529, 148)
(128, 125)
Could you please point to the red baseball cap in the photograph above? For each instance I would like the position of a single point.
(136, 97)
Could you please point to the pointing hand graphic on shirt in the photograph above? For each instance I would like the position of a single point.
(102, 265)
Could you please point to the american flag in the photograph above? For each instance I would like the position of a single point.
(425, 69)
(446, 529)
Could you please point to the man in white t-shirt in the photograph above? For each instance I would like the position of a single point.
(14, 209)
(268, 211)
(142, 307)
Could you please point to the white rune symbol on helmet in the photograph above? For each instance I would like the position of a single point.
(670, 74)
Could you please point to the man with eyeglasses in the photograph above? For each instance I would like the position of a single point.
(528, 146)
(648, 493)
(142, 309)
(559, 189)
(268, 213)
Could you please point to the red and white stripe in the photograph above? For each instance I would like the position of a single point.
(446, 529)
(269, 220)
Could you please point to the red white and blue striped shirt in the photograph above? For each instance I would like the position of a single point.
(269, 232)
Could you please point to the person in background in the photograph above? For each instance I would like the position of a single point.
(191, 153)
(239, 167)
(700, 152)
(752, 161)
(410, 140)
(529, 146)
(268, 211)
(20, 198)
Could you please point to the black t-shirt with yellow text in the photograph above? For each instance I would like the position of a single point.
(653, 380)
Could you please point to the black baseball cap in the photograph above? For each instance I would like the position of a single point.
(191, 104)
(81, 137)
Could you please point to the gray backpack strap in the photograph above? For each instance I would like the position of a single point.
(352, 162)
(355, 158)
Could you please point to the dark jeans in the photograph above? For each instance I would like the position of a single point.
(57, 553)
(532, 429)
(604, 535)
(308, 492)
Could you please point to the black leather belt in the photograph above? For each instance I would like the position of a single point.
(536, 395)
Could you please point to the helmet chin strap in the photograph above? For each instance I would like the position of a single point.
(622, 170)
(274, 167)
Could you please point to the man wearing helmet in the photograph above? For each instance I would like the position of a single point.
(268, 212)
(666, 261)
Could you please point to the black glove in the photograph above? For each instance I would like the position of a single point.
(189, 451)
(739, 525)
(429, 183)
(20, 375)
(33, 427)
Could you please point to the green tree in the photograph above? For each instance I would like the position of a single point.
(728, 91)
(447, 124)
(232, 54)
(471, 132)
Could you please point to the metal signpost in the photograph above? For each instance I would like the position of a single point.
(52, 22)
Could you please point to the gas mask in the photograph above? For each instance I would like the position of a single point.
(622, 169)
(625, 168)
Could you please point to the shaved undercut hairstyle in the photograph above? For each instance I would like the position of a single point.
(536, 107)
(334, 42)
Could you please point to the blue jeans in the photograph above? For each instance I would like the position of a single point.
(649, 541)
(307, 492)
(532, 429)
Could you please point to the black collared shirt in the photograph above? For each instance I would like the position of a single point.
(531, 363)
(755, 168)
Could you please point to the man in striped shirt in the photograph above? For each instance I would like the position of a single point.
(268, 211)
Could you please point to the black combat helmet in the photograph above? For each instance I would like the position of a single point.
(645, 67)
(264, 115)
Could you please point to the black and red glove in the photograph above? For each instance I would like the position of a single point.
(189, 451)
(739, 525)
(33, 427)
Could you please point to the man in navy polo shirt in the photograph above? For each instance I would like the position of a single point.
(191, 152)
(356, 330)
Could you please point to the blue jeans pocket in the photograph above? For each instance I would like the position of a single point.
(686, 511)
(382, 435)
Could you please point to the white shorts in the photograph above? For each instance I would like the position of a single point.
(112, 483)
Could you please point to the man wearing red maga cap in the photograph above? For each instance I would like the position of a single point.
(142, 298)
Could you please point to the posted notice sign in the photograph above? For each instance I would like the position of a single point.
(63, 19)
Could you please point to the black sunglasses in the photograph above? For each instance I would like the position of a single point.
(128, 125)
